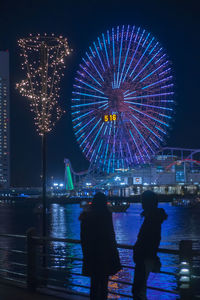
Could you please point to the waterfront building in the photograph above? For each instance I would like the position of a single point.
(170, 171)
(4, 120)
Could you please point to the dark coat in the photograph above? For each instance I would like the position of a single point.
(100, 254)
(149, 236)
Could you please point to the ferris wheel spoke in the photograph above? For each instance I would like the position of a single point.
(147, 64)
(94, 133)
(114, 141)
(113, 54)
(105, 157)
(129, 94)
(89, 129)
(125, 60)
(85, 70)
(127, 32)
(131, 157)
(90, 95)
(122, 160)
(144, 140)
(85, 125)
(148, 96)
(148, 105)
(109, 160)
(104, 105)
(157, 82)
(157, 120)
(164, 72)
(141, 156)
(154, 143)
(154, 71)
(162, 115)
(99, 56)
(160, 58)
(90, 132)
(157, 136)
(134, 52)
(120, 54)
(95, 139)
(160, 129)
(113, 45)
(99, 148)
(167, 86)
(141, 57)
(155, 112)
(86, 104)
(94, 66)
(88, 85)
(106, 143)
(146, 39)
(104, 42)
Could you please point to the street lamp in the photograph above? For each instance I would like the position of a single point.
(43, 61)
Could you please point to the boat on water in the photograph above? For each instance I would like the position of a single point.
(114, 206)
(186, 202)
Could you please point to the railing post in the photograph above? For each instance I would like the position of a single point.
(31, 260)
(185, 268)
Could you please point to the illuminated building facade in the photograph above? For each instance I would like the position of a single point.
(170, 172)
(4, 120)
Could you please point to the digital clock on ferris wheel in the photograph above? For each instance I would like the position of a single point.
(109, 117)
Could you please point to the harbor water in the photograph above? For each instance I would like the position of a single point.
(182, 224)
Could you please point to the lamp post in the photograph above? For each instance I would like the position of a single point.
(43, 62)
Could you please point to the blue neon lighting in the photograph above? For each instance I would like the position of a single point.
(92, 87)
(126, 60)
(95, 67)
(99, 56)
(141, 112)
(84, 69)
(141, 56)
(104, 42)
(90, 95)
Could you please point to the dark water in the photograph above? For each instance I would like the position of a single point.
(63, 222)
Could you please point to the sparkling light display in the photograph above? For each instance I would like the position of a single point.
(126, 73)
(44, 62)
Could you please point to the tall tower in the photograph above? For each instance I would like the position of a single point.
(4, 120)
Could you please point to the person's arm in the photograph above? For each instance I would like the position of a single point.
(85, 238)
(148, 240)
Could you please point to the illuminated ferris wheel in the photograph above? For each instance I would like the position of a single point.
(123, 99)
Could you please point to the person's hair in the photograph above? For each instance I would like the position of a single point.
(99, 201)
(149, 200)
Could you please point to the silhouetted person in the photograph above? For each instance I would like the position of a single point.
(100, 254)
(146, 246)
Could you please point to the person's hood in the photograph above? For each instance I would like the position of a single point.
(158, 214)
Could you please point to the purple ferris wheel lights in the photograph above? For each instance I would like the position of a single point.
(126, 74)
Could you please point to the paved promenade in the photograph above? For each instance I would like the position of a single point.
(10, 292)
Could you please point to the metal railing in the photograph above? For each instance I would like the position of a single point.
(25, 266)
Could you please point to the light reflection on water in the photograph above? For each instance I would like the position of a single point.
(63, 222)
(181, 224)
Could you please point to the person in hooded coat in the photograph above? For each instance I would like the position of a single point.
(99, 247)
(147, 244)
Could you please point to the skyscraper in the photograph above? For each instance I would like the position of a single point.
(4, 120)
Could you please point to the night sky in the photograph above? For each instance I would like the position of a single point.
(176, 25)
